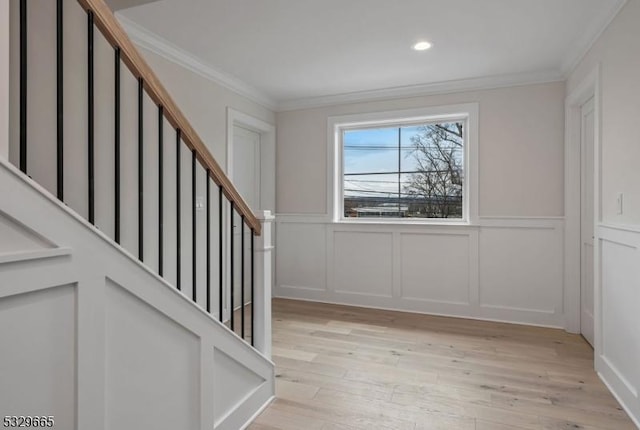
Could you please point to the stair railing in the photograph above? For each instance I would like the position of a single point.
(100, 16)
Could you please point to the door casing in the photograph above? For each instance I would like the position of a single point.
(266, 183)
(588, 88)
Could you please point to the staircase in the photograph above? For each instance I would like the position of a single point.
(124, 301)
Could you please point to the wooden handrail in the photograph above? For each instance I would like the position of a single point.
(117, 37)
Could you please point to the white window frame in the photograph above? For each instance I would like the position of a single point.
(467, 112)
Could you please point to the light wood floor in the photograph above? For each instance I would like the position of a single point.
(341, 367)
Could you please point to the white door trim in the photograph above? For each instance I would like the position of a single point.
(587, 221)
(267, 180)
(588, 88)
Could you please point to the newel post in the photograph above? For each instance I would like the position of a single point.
(262, 250)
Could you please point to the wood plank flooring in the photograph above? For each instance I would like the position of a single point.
(349, 368)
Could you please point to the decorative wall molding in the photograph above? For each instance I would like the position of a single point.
(149, 40)
(606, 228)
(617, 319)
(302, 218)
(483, 221)
(454, 86)
(34, 255)
(503, 268)
(99, 302)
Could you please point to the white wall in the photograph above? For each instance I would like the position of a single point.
(203, 102)
(617, 53)
(4, 79)
(506, 267)
(521, 133)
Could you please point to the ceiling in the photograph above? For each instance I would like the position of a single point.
(290, 51)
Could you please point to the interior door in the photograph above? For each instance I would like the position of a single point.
(245, 174)
(587, 224)
(246, 165)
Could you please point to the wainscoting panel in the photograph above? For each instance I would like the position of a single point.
(38, 358)
(16, 237)
(93, 337)
(233, 383)
(521, 269)
(506, 269)
(619, 333)
(151, 357)
(435, 267)
(300, 265)
(363, 263)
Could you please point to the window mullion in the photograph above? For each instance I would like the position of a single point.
(399, 169)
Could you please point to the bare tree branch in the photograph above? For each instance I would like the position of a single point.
(436, 151)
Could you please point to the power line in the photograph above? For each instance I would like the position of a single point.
(395, 193)
(375, 181)
(406, 172)
(395, 147)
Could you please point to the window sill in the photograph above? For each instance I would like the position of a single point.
(397, 223)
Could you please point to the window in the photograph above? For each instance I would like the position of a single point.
(413, 168)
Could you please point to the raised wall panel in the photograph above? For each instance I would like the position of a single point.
(233, 383)
(38, 354)
(301, 261)
(506, 269)
(620, 318)
(17, 237)
(521, 269)
(363, 263)
(114, 347)
(435, 267)
(152, 367)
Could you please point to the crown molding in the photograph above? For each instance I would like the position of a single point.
(589, 38)
(151, 41)
(160, 46)
(454, 86)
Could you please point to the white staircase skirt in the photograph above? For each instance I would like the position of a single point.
(93, 338)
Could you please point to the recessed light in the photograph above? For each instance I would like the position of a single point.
(422, 46)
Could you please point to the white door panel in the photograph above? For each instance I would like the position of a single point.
(587, 223)
(246, 165)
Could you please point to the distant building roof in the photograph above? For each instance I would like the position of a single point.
(376, 210)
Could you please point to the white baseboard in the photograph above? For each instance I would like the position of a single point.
(634, 417)
(258, 412)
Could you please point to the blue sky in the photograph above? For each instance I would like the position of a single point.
(376, 150)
